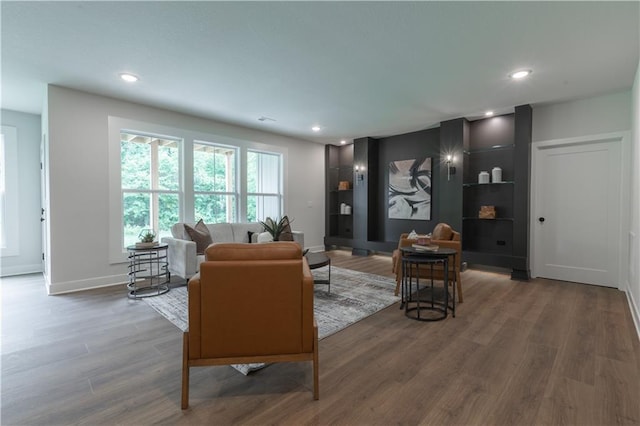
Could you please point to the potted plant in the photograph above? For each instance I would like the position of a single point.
(275, 227)
(147, 238)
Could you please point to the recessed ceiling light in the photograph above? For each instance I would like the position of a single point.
(316, 128)
(343, 142)
(517, 75)
(488, 113)
(129, 78)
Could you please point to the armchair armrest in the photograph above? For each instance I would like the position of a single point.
(396, 259)
(182, 257)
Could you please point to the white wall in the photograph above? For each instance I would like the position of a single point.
(633, 292)
(615, 112)
(79, 182)
(28, 223)
(592, 116)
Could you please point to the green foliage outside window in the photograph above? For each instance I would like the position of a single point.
(137, 174)
(150, 192)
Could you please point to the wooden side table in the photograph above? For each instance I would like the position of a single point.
(148, 271)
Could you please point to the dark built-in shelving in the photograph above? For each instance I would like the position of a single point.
(503, 142)
(339, 168)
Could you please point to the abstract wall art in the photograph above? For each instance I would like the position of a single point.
(410, 189)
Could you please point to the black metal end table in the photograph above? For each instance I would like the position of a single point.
(437, 303)
(148, 271)
(318, 260)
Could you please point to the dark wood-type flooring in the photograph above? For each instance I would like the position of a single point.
(542, 352)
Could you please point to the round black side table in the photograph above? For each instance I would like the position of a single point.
(435, 306)
(148, 271)
(318, 260)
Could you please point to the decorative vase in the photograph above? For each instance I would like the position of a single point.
(496, 175)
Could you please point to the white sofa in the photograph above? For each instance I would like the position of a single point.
(183, 260)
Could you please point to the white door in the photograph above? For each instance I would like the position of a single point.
(44, 202)
(576, 212)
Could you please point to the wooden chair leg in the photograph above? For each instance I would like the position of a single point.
(316, 366)
(185, 371)
(398, 281)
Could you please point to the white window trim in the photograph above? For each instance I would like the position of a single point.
(237, 177)
(118, 124)
(281, 180)
(11, 215)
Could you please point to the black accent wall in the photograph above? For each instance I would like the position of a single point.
(522, 192)
(454, 134)
(478, 145)
(424, 143)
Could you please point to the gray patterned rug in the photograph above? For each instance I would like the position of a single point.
(354, 296)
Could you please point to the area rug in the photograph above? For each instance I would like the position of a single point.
(354, 295)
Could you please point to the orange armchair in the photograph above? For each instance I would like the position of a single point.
(442, 236)
(250, 303)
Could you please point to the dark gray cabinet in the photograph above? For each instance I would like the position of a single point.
(503, 142)
(339, 168)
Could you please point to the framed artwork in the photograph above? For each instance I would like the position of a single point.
(410, 189)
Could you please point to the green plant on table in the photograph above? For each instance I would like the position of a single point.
(147, 236)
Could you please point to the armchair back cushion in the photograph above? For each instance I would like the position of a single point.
(251, 300)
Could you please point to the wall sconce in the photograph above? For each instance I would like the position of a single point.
(359, 173)
(451, 170)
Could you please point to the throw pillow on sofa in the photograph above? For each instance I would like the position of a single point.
(286, 234)
(265, 237)
(200, 235)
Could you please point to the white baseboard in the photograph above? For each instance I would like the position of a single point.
(8, 271)
(635, 310)
(79, 285)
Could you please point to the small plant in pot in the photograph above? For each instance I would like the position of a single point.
(147, 238)
(275, 227)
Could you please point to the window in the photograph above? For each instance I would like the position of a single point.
(9, 217)
(264, 185)
(161, 175)
(215, 196)
(150, 182)
(3, 191)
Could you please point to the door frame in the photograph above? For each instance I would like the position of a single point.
(44, 209)
(625, 178)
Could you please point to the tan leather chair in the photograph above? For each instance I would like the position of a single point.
(442, 236)
(250, 303)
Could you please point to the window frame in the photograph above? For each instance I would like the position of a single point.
(237, 176)
(153, 193)
(10, 216)
(186, 214)
(280, 183)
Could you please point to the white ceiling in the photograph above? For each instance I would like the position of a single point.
(355, 68)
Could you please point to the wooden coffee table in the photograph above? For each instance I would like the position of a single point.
(318, 260)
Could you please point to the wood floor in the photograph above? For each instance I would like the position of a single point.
(542, 352)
